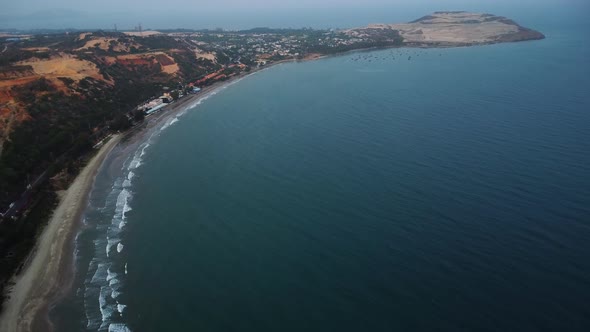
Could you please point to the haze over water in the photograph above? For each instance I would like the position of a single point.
(450, 191)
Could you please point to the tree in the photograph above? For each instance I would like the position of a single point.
(121, 122)
(138, 115)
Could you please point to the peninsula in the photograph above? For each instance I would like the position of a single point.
(457, 28)
(66, 95)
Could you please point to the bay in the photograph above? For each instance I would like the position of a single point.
(368, 191)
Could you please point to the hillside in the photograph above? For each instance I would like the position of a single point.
(57, 89)
(458, 28)
(60, 94)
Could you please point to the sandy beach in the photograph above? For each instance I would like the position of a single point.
(49, 269)
(41, 280)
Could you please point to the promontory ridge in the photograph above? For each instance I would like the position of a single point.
(456, 28)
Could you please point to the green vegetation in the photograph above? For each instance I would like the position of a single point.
(59, 122)
(65, 123)
(18, 237)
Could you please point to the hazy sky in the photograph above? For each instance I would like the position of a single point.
(241, 14)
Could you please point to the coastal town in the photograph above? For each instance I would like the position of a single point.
(229, 53)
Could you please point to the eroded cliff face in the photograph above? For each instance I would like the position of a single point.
(75, 66)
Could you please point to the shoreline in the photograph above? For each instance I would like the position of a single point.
(40, 283)
(185, 103)
(49, 269)
(29, 303)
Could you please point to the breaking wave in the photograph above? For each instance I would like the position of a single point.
(103, 291)
(104, 285)
(117, 327)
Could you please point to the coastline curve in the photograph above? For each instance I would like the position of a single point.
(37, 286)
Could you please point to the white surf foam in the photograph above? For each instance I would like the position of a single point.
(122, 207)
(110, 244)
(138, 156)
(105, 279)
(113, 282)
(107, 310)
(135, 162)
(100, 273)
(118, 327)
(166, 125)
(115, 294)
(145, 146)
(110, 275)
(121, 308)
(122, 200)
(126, 207)
(112, 278)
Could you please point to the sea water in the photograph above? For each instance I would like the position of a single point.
(450, 191)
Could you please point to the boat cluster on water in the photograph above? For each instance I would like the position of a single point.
(400, 54)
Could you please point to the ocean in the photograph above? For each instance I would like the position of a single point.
(362, 192)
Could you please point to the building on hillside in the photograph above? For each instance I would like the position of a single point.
(166, 98)
(150, 105)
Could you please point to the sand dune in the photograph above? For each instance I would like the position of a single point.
(64, 65)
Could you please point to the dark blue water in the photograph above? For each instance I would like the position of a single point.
(447, 192)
